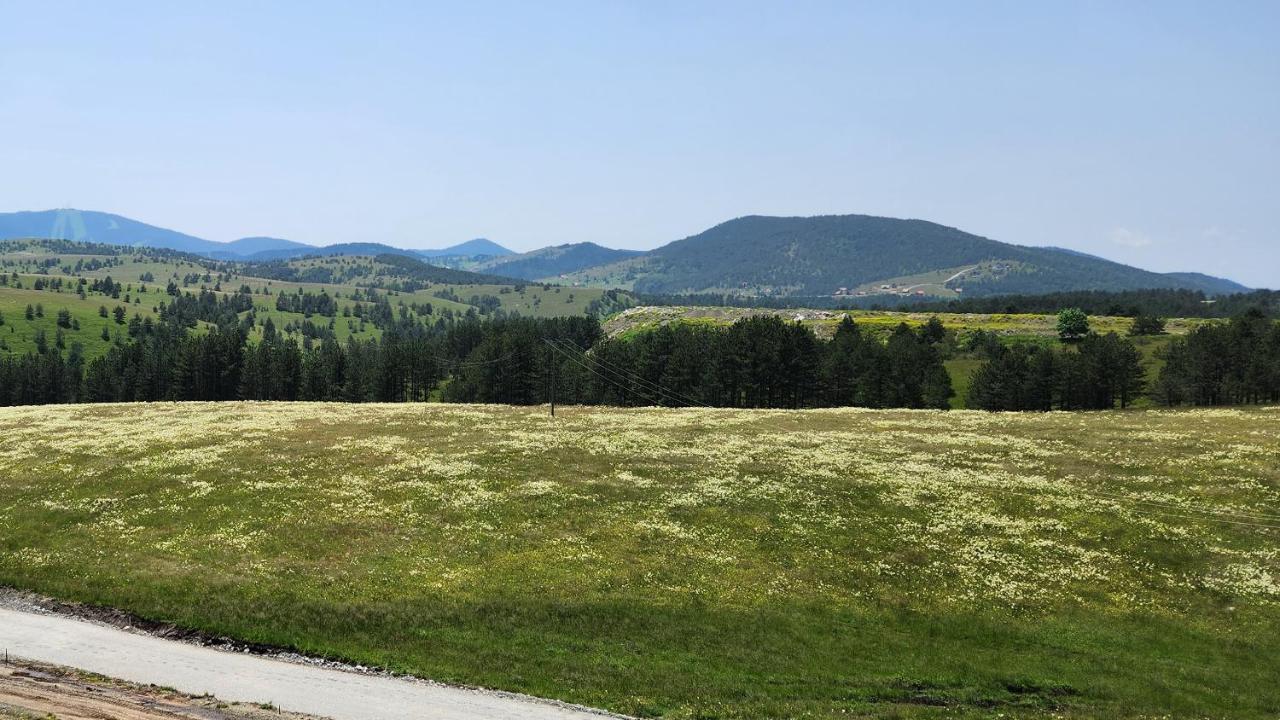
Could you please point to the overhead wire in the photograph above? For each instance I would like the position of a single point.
(618, 380)
(684, 400)
(602, 376)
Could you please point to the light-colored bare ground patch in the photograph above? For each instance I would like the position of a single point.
(35, 690)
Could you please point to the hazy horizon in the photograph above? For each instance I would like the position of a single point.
(1143, 134)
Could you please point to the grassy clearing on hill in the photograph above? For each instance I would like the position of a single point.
(824, 322)
(686, 563)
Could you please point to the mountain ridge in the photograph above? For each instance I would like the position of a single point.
(112, 229)
(828, 255)
(751, 255)
(553, 261)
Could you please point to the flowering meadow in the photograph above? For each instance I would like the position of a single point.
(686, 563)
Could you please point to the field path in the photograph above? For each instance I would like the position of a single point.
(244, 677)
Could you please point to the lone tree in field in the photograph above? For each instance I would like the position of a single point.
(1147, 325)
(1073, 324)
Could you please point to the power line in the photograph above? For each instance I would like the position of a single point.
(602, 376)
(617, 380)
(684, 400)
(569, 356)
(621, 380)
(455, 364)
(630, 377)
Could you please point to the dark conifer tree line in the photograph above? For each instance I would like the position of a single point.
(1233, 364)
(756, 362)
(307, 303)
(1098, 372)
(767, 362)
(211, 347)
(1236, 363)
(1120, 303)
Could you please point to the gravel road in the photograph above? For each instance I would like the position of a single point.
(245, 677)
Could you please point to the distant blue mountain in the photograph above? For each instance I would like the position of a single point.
(471, 248)
(550, 262)
(101, 227)
(245, 247)
(805, 255)
(339, 249)
(480, 247)
(251, 245)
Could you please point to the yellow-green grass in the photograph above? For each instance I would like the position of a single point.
(19, 334)
(932, 283)
(961, 370)
(532, 300)
(686, 563)
(824, 322)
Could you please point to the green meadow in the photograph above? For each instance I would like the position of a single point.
(686, 563)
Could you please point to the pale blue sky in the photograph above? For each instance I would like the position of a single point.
(1144, 132)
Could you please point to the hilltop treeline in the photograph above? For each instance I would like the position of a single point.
(1236, 363)
(757, 362)
(1127, 303)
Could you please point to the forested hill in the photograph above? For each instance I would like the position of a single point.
(550, 262)
(819, 255)
(1209, 284)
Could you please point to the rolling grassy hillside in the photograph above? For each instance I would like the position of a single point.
(431, 293)
(443, 289)
(686, 563)
(818, 255)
